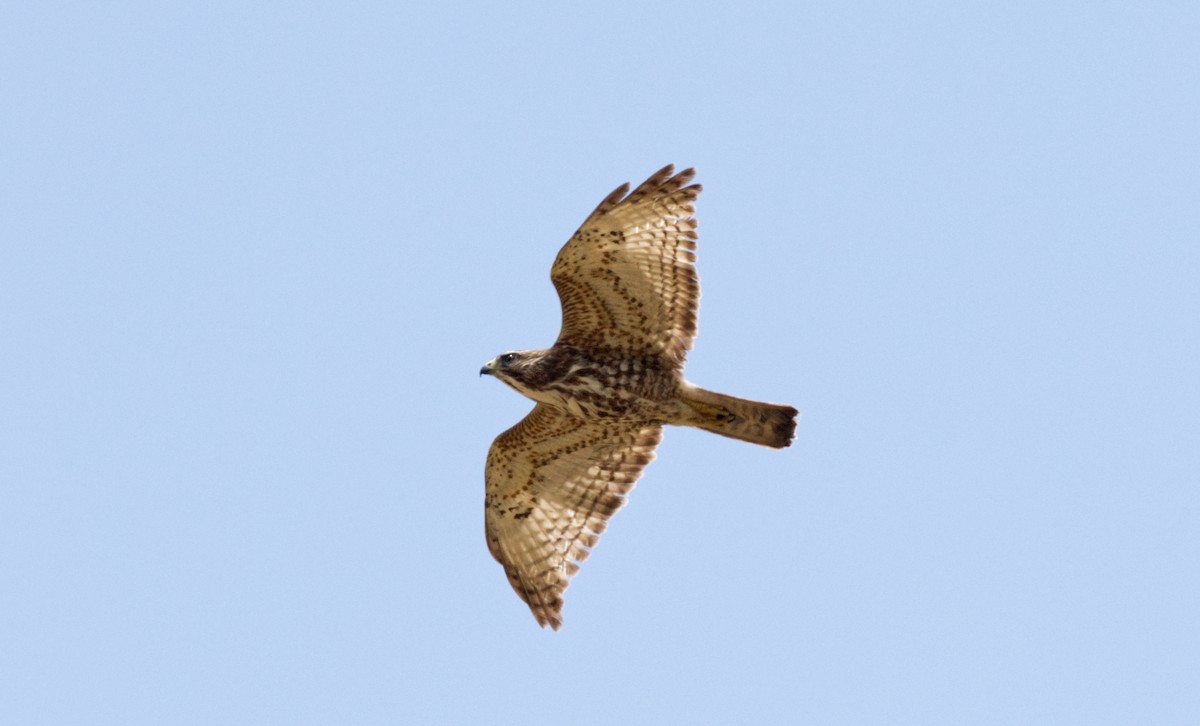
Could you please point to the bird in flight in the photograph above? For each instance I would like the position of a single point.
(629, 292)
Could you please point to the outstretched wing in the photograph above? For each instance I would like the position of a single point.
(553, 481)
(626, 279)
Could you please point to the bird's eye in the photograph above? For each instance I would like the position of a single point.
(508, 358)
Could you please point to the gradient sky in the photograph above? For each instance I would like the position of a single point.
(255, 253)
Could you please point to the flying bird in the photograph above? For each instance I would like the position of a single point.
(629, 292)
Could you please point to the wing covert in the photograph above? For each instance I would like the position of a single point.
(553, 481)
(626, 279)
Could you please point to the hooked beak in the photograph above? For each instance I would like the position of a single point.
(488, 368)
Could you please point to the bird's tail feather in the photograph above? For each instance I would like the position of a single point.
(769, 424)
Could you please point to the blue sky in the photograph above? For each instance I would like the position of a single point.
(254, 255)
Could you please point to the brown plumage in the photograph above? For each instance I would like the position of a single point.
(629, 294)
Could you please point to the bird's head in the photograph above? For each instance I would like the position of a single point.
(518, 368)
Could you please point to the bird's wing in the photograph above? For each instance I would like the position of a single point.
(626, 279)
(553, 481)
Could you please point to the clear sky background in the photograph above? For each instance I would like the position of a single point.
(254, 254)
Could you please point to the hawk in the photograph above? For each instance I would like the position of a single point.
(604, 390)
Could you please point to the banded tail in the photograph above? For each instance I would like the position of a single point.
(768, 424)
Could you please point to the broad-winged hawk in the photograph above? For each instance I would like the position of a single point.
(604, 390)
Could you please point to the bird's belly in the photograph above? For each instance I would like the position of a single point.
(594, 398)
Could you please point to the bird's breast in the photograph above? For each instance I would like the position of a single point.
(626, 388)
